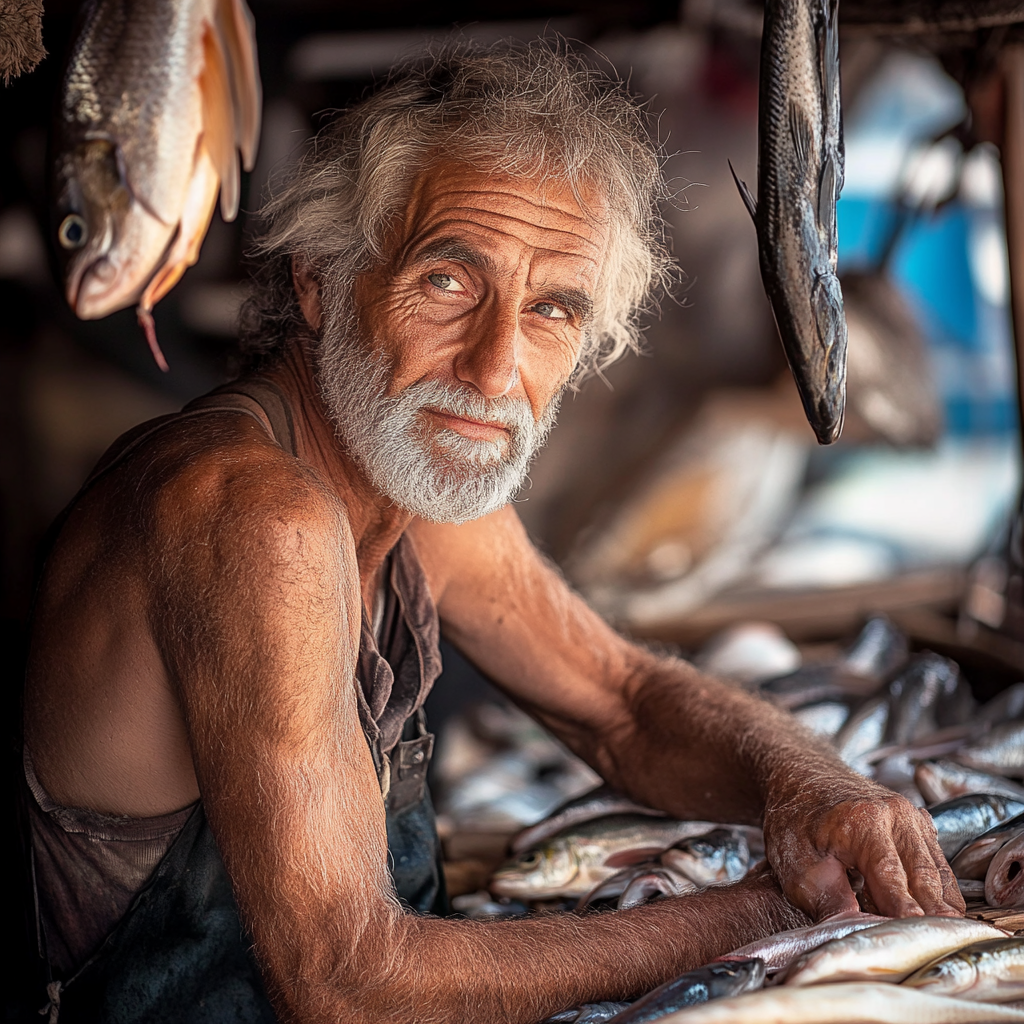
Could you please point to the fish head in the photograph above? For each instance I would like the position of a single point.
(539, 873)
(817, 357)
(109, 245)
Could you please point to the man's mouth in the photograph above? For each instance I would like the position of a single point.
(474, 429)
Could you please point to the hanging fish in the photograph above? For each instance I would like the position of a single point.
(799, 176)
(158, 101)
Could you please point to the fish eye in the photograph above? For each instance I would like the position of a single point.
(530, 860)
(72, 232)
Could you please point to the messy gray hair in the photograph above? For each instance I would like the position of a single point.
(536, 110)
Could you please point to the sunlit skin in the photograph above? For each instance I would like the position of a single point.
(197, 632)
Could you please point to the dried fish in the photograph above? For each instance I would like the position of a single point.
(1004, 880)
(972, 862)
(943, 780)
(574, 861)
(989, 972)
(887, 952)
(158, 98)
(596, 803)
(844, 1004)
(963, 819)
(800, 174)
(780, 950)
(715, 981)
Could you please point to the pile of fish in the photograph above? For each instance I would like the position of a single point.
(851, 967)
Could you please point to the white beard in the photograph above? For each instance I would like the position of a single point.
(437, 474)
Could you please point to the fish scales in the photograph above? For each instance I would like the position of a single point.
(844, 1004)
(988, 972)
(800, 173)
(887, 952)
(961, 820)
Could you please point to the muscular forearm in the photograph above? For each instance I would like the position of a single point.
(429, 970)
(698, 748)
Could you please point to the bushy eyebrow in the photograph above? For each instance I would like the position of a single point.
(455, 249)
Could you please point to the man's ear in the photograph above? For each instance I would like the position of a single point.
(308, 291)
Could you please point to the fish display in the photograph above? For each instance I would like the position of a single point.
(1004, 880)
(991, 972)
(159, 102)
(721, 855)
(1000, 750)
(572, 862)
(595, 803)
(844, 1004)
(890, 951)
(714, 981)
(963, 819)
(944, 780)
(926, 696)
(973, 861)
(779, 951)
(800, 175)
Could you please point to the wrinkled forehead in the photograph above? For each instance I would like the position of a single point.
(540, 213)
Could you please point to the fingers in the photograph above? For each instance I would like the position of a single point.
(816, 885)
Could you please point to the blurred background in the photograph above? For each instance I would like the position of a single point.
(682, 491)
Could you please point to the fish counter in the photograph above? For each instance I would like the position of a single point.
(527, 827)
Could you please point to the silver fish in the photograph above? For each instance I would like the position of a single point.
(963, 819)
(588, 1013)
(879, 651)
(721, 855)
(972, 862)
(1001, 750)
(800, 174)
(780, 950)
(928, 694)
(887, 952)
(714, 981)
(863, 732)
(824, 718)
(615, 885)
(574, 861)
(1004, 880)
(1003, 707)
(158, 98)
(844, 1004)
(656, 881)
(989, 972)
(943, 780)
(596, 803)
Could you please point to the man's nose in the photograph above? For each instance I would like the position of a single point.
(489, 356)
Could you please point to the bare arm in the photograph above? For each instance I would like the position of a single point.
(674, 738)
(257, 622)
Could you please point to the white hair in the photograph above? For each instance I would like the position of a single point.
(532, 110)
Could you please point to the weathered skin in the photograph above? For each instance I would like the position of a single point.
(985, 972)
(197, 629)
(799, 176)
(887, 952)
(843, 1004)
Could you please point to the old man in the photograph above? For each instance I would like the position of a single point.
(238, 622)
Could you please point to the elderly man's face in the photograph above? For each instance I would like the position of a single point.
(471, 330)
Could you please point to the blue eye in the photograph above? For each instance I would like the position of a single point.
(445, 282)
(550, 311)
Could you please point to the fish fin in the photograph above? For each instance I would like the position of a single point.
(219, 121)
(800, 133)
(145, 318)
(238, 36)
(196, 214)
(748, 200)
(827, 195)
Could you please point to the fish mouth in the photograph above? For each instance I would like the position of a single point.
(94, 290)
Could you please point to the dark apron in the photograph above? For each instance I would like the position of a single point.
(181, 954)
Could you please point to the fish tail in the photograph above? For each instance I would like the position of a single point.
(149, 328)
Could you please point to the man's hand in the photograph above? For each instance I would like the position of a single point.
(819, 833)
